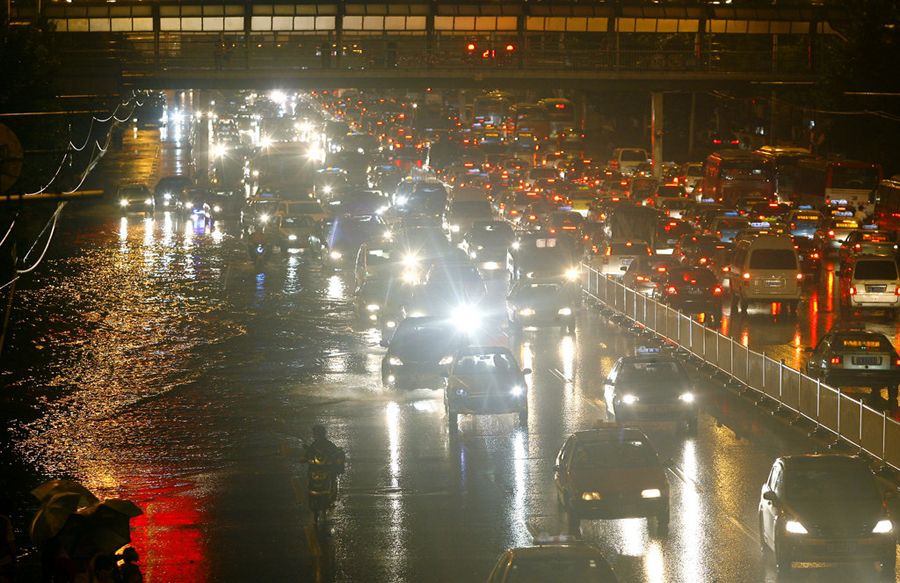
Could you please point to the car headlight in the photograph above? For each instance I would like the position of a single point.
(373, 307)
(167, 196)
(123, 202)
(491, 265)
(629, 399)
(526, 312)
(263, 218)
(687, 397)
(217, 209)
(516, 245)
(517, 391)
(651, 493)
(454, 228)
(564, 311)
(388, 236)
(411, 260)
(572, 274)
(446, 360)
(461, 392)
(794, 527)
(189, 205)
(148, 201)
(292, 237)
(589, 496)
(883, 526)
(410, 276)
(390, 324)
(335, 255)
(166, 203)
(394, 361)
(473, 254)
(401, 200)
(467, 318)
(326, 189)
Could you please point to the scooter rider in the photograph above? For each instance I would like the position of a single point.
(326, 462)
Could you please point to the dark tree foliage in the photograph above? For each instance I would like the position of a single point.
(28, 65)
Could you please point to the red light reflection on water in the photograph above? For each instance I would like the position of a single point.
(168, 535)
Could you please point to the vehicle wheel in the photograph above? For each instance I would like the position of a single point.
(523, 419)
(574, 521)
(782, 560)
(744, 304)
(453, 421)
(889, 567)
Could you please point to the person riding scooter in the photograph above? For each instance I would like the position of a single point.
(326, 462)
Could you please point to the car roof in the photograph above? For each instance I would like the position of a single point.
(484, 350)
(572, 550)
(829, 460)
(648, 358)
(611, 432)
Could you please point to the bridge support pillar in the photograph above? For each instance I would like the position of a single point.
(201, 147)
(656, 131)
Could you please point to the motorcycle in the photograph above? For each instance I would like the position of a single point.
(323, 487)
(259, 254)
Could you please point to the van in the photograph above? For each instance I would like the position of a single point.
(870, 281)
(765, 268)
(628, 160)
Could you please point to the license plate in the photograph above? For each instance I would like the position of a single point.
(694, 292)
(876, 288)
(867, 360)
(773, 283)
(626, 261)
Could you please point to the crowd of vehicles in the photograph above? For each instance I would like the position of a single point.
(421, 240)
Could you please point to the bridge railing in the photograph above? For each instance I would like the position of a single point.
(846, 417)
(177, 51)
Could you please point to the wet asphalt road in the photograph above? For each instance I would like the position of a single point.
(151, 362)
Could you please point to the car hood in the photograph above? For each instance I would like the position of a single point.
(851, 514)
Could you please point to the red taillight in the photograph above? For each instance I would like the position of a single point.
(799, 276)
(703, 261)
(608, 251)
(852, 290)
(513, 212)
(672, 290)
(640, 278)
(831, 233)
(814, 255)
(897, 362)
(746, 276)
(532, 217)
(836, 360)
(717, 291)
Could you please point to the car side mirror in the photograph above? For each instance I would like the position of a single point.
(770, 496)
(526, 371)
(383, 343)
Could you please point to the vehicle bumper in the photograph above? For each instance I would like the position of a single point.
(658, 412)
(875, 300)
(545, 319)
(861, 378)
(807, 548)
(620, 507)
(697, 305)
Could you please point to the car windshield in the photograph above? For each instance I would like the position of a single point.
(830, 486)
(559, 570)
(671, 190)
(300, 221)
(415, 337)
(487, 363)
(773, 259)
(537, 291)
(613, 454)
(303, 208)
(649, 373)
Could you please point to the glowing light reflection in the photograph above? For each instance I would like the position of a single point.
(335, 289)
(392, 420)
(690, 512)
(521, 536)
(123, 231)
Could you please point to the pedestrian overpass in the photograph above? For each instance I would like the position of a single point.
(580, 45)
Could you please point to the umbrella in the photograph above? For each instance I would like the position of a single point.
(55, 511)
(102, 528)
(48, 489)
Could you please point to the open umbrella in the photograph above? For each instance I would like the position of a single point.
(49, 489)
(54, 513)
(102, 528)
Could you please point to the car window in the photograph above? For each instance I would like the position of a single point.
(876, 270)
(613, 454)
(773, 259)
(575, 569)
(649, 372)
(484, 364)
(829, 487)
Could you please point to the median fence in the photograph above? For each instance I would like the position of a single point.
(846, 417)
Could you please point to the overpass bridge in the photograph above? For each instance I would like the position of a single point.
(340, 43)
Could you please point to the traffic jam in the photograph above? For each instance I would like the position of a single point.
(465, 237)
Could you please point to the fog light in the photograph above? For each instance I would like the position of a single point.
(629, 399)
(292, 237)
(335, 255)
(123, 203)
(651, 493)
(794, 527)
(589, 496)
(565, 312)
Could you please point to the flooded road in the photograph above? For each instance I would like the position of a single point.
(150, 361)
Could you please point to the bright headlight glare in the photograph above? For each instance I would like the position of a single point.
(390, 324)
(394, 361)
(335, 255)
(189, 205)
(467, 318)
(572, 273)
(589, 496)
(292, 237)
(123, 202)
(454, 228)
(794, 527)
(401, 200)
(883, 526)
(651, 493)
(410, 260)
(517, 391)
(373, 307)
(687, 397)
(473, 254)
(263, 218)
(565, 311)
(148, 201)
(629, 399)
(167, 196)
(526, 312)
(217, 209)
(326, 189)
(516, 245)
(446, 360)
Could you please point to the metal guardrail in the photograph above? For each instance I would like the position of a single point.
(847, 418)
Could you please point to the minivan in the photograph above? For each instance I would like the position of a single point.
(765, 268)
(870, 281)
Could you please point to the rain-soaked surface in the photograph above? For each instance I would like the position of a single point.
(150, 361)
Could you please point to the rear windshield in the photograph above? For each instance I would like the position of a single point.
(864, 341)
(696, 276)
(626, 249)
(614, 454)
(559, 569)
(886, 269)
(773, 259)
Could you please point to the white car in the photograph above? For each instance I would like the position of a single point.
(615, 256)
